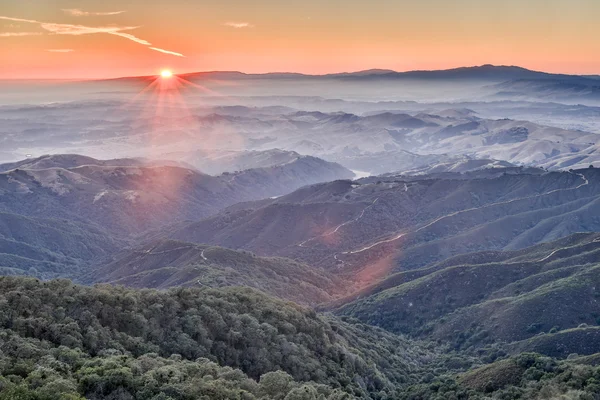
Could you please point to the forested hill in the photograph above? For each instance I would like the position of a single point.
(63, 341)
(66, 342)
(167, 263)
(542, 298)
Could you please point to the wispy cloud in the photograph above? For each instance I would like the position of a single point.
(76, 12)
(167, 52)
(19, 34)
(76, 30)
(130, 37)
(18, 19)
(239, 25)
(60, 50)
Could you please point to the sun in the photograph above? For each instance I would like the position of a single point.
(165, 73)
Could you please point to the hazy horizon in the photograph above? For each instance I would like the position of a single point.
(268, 72)
(85, 39)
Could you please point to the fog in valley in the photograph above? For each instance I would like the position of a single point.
(373, 122)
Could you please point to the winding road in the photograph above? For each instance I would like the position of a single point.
(400, 235)
(450, 215)
(362, 213)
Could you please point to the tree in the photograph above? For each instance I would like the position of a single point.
(276, 385)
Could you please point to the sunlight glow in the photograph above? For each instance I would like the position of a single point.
(166, 73)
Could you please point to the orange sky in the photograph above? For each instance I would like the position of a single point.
(111, 38)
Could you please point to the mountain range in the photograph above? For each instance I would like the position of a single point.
(374, 226)
(218, 139)
(67, 210)
(374, 235)
(484, 72)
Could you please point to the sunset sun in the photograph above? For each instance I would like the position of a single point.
(166, 73)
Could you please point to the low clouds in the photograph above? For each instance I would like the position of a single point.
(77, 30)
(239, 25)
(60, 50)
(75, 12)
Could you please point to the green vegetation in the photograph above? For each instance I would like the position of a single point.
(170, 263)
(50, 248)
(528, 376)
(116, 340)
(214, 332)
(69, 374)
(477, 300)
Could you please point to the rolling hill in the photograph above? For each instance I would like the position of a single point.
(60, 213)
(49, 248)
(374, 137)
(542, 298)
(168, 263)
(108, 337)
(372, 227)
(132, 198)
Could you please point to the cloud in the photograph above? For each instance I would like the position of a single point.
(131, 37)
(60, 50)
(239, 25)
(167, 52)
(75, 12)
(77, 30)
(31, 21)
(19, 34)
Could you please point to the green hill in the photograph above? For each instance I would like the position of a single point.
(103, 340)
(49, 248)
(168, 263)
(503, 297)
(527, 377)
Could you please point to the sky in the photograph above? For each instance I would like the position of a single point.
(81, 39)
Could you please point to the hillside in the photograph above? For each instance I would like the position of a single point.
(575, 89)
(66, 161)
(73, 342)
(49, 248)
(541, 298)
(109, 336)
(215, 161)
(63, 161)
(169, 263)
(372, 227)
(527, 376)
(63, 212)
(132, 198)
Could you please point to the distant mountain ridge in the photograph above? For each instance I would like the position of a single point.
(486, 71)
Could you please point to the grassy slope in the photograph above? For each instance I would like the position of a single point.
(513, 298)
